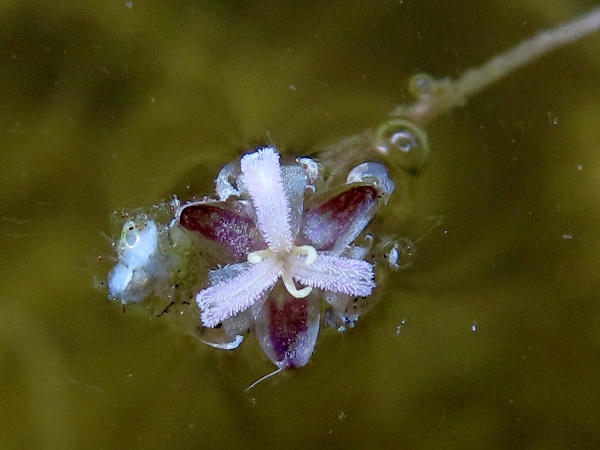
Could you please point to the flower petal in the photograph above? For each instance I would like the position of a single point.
(226, 299)
(262, 177)
(224, 223)
(335, 274)
(288, 334)
(294, 179)
(336, 223)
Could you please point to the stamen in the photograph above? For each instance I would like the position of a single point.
(308, 250)
(291, 287)
(259, 256)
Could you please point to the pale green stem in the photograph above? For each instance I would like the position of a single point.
(437, 97)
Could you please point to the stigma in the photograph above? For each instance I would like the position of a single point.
(287, 258)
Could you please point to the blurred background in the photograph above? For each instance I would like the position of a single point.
(490, 340)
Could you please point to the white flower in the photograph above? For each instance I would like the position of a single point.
(282, 252)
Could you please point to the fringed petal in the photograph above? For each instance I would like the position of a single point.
(262, 177)
(335, 223)
(224, 223)
(224, 300)
(287, 328)
(335, 274)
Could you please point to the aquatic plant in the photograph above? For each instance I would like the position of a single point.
(283, 227)
(288, 242)
(270, 227)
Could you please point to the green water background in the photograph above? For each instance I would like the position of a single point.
(107, 106)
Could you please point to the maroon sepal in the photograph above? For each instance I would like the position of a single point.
(225, 223)
(337, 221)
(287, 329)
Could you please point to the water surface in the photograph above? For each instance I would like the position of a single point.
(117, 105)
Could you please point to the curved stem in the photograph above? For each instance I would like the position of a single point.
(436, 97)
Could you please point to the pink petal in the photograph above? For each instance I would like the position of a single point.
(336, 274)
(262, 176)
(225, 223)
(226, 299)
(335, 223)
(288, 334)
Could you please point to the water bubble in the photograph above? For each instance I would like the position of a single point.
(400, 327)
(552, 119)
(226, 182)
(374, 173)
(138, 241)
(137, 253)
(399, 253)
(314, 170)
(404, 143)
(132, 236)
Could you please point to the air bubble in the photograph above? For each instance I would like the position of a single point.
(132, 236)
(225, 182)
(139, 242)
(314, 170)
(400, 327)
(398, 253)
(137, 251)
(404, 144)
(375, 173)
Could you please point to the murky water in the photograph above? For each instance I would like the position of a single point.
(490, 340)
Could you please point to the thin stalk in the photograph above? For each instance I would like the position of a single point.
(436, 97)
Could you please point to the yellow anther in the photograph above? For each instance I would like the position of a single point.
(298, 250)
(291, 287)
(308, 250)
(259, 256)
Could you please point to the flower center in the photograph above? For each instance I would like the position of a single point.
(303, 250)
